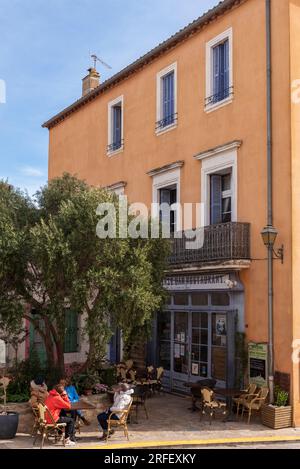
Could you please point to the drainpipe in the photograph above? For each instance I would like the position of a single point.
(270, 199)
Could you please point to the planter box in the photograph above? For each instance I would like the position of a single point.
(276, 417)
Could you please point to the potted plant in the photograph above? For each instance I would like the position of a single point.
(85, 382)
(8, 420)
(278, 415)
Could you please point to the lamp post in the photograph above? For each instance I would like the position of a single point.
(269, 235)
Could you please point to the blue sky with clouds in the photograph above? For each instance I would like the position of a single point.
(44, 53)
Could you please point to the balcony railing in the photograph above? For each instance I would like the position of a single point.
(114, 146)
(223, 242)
(166, 122)
(219, 97)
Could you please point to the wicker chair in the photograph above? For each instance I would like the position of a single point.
(47, 430)
(255, 403)
(139, 400)
(120, 422)
(246, 394)
(210, 404)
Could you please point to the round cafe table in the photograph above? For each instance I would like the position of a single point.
(82, 405)
(229, 394)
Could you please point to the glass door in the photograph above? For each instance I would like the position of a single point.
(199, 363)
(181, 345)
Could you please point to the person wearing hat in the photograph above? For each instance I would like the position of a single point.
(38, 391)
(122, 399)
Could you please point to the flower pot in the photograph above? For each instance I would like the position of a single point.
(8, 425)
(277, 417)
(88, 392)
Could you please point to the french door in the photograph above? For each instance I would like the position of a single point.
(194, 345)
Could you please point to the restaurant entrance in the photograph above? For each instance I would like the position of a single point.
(196, 338)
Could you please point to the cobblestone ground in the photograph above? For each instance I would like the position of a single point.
(170, 419)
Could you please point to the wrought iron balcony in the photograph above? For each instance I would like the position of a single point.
(223, 242)
(114, 146)
(166, 121)
(219, 97)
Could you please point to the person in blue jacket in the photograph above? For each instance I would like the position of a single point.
(73, 397)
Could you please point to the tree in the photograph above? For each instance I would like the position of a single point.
(51, 259)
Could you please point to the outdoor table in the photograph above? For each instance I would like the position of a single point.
(229, 394)
(82, 405)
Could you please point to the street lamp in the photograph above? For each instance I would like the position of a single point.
(269, 235)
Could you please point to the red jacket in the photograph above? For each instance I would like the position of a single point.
(55, 403)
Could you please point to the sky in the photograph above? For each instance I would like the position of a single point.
(44, 54)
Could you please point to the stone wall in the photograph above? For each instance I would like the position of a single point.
(26, 416)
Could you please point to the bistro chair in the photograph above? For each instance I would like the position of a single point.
(245, 395)
(47, 430)
(211, 405)
(255, 403)
(121, 422)
(139, 400)
(156, 384)
(36, 422)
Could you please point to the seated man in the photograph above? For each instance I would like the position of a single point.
(122, 399)
(57, 401)
(73, 397)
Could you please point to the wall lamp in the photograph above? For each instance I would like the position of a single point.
(269, 235)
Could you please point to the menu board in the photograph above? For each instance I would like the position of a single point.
(258, 364)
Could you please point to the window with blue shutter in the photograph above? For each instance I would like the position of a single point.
(117, 127)
(220, 198)
(215, 199)
(71, 331)
(168, 100)
(221, 89)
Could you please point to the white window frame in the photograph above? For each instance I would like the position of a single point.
(159, 91)
(213, 165)
(163, 181)
(111, 104)
(228, 34)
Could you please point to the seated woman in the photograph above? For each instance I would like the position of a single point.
(73, 397)
(39, 391)
(122, 399)
(57, 401)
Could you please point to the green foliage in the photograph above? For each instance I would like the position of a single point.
(281, 397)
(51, 247)
(241, 352)
(85, 381)
(108, 376)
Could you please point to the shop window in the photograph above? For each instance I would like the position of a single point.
(220, 299)
(181, 299)
(199, 299)
(164, 339)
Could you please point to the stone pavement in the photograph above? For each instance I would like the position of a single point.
(170, 421)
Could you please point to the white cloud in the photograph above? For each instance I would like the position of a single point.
(31, 171)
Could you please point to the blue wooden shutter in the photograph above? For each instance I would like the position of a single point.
(71, 335)
(216, 72)
(117, 126)
(168, 99)
(215, 199)
(226, 68)
(221, 71)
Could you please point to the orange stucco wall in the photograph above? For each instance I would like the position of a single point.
(295, 161)
(78, 146)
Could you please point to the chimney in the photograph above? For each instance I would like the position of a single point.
(90, 82)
